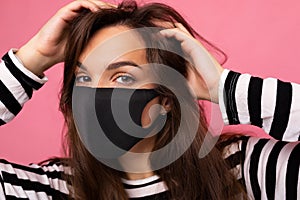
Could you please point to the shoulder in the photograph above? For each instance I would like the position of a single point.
(49, 178)
(48, 167)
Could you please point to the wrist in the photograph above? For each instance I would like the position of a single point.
(32, 60)
(222, 80)
(22, 73)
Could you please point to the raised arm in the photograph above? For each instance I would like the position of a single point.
(16, 86)
(21, 71)
(267, 103)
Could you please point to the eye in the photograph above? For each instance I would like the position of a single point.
(83, 79)
(125, 79)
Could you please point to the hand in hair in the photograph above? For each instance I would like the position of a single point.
(205, 73)
(47, 47)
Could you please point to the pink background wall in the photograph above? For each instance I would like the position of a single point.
(260, 37)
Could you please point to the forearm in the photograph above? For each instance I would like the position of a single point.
(16, 86)
(267, 103)
(32, 59)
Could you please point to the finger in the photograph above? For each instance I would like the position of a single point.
(164, 24)
(102, 4)
(176, 33)
(78, 5)
(71, 10)
(182, 28)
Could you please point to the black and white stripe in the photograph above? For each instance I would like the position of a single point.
(254, 101)
(148, 188)
(265, 103)
(32, 182)
(268, 168)
(47, 182)
(271, 169)
(9, 101)
(19, 72)
(16, 85)
(229, 99)
(282, 109)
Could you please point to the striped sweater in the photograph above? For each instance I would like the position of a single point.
(269, 168)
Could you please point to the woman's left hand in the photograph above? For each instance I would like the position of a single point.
(204, 76)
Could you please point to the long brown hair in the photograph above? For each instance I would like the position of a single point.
(206, 178)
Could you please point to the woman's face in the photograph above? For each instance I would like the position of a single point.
(129, 70)
(124, 71)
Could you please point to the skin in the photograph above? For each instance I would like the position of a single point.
(126, 76)
(46, 49)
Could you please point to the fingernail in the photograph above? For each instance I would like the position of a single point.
(95, 9)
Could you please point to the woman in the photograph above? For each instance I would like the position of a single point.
(236, 168)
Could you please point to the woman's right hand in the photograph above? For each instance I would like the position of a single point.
(46, 48)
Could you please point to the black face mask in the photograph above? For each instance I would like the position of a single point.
(108, 120)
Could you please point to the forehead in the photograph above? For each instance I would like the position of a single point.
(114, 43)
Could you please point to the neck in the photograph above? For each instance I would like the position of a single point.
(137, 176)
(136, 162)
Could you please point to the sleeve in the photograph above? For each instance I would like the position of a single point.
(16, 86)
(268, 103)
(33, 182)
(270, 168)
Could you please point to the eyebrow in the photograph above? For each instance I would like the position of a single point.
(80, 65)
(112, 66)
